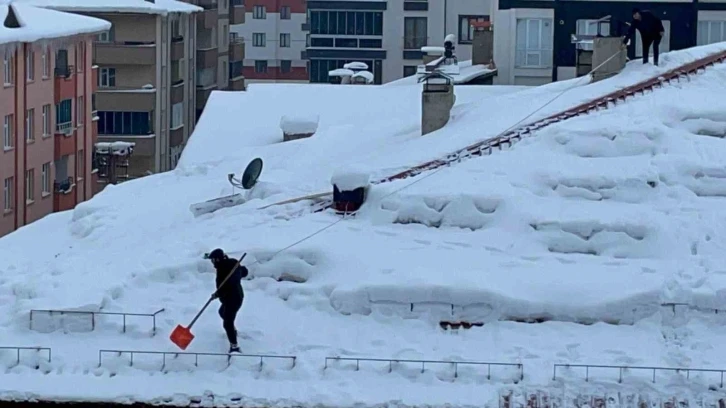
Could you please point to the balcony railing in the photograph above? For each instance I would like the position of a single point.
(64, 128)
(64, 186)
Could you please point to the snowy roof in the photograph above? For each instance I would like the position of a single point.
(592, 223)
(38, 23)
(120, 6)
(341, 72)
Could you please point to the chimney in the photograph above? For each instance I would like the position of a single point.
(482, 49)
(11, 20)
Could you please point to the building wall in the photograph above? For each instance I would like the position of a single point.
(272, 52)
(31, 153)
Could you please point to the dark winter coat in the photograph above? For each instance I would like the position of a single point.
(231, 292)
(649, 26)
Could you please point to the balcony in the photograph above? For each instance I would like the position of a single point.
(126, 99)
(206, 58)
(208, 4)
(236, 14)
(177, 92)
(236, 48)
(203, 95)
(94, 77)
(177, 49)
(207, 19)
(63, 199)
(237, 83)
(65, 84)
(176, 137)
(127, 53)
(65, 140)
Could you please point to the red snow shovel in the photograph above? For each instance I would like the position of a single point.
(182, 336)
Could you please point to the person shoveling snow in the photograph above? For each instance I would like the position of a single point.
(229, 292)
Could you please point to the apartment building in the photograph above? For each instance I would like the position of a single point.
(45, 105)
(386, 35)
(220, 53)
(275, 34)
(532, 39)
(146, 76)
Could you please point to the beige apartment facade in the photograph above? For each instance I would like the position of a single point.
(220, 54)
(146, 86)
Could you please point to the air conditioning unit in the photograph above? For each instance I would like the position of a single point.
(67, 131)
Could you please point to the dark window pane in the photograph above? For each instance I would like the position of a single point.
(370, 43)
(341, 22)
(346, 43)
(333, 22)
(324, 22)
(359, 22)
(314, 22)
(369, 24)
(350, 29)
(321, 42)
(378, 23)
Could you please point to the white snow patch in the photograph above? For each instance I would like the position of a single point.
(295, 125)
(162, 7)
(38, 24)
(350, 179)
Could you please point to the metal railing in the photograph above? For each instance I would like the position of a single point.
(93, 314)
(64, 186)
(131, 354)
(423, 363)
(621, 369)
(65, 128)
(19, 349)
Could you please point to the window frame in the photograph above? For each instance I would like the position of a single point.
(543, 27)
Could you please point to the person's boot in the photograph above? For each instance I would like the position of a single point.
(233, 348)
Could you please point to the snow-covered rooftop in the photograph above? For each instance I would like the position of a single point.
(592, 223)
(38, 24)
(120, 6)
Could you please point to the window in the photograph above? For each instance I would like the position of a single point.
(8, 194)
(30, 65)
(107, 77)
(534, 43)
(63, 115)
(260, 67)
(590, 27)
(258, 39)
(46, 120)
(415, 32)
(710, 32)
(8, 70)
(80, 111)
(466, 30)
(175, 28)
(107, 36)
(8, 134)
(29, 125)
(235, 69)
(259, 12)
(284, 40)
(409, 70)
(177, 115)
(124, 123)
(45, 62)
(285, 13)
(29, 186)
(225, 36)
(346, 22)
(45, 178)
(81, 164)
(285, 66)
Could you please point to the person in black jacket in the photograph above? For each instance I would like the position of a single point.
(651, 32)
(230, 294)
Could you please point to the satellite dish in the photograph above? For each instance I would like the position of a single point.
(251, 174)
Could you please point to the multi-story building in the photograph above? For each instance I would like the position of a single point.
(45, 104)
(220, 53)
(531, 49)
(146, 76)
(273, 32)
(386, 35)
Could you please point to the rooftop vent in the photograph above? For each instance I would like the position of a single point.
(11, 20)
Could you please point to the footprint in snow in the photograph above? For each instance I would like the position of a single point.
(422, 241)
(387, 233)
(459, 244)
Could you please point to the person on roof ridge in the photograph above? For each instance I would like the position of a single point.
(230, 293)
(651, 32)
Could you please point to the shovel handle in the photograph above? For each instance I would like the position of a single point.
(211, 298)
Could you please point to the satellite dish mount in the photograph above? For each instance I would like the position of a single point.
(249, 176)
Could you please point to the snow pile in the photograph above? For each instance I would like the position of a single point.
(116, 148)
(356, 66)
(571, 248)
(363, 76)
(350, 179)
(341, 72)
(299, 125)
(34, 24)
(161, 7)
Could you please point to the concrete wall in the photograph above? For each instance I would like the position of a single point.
(131, 27)
(505, 40)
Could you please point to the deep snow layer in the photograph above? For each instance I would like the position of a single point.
(38, 24)
(596, 220)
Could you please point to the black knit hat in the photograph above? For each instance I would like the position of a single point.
(217, 255)
(636, 10)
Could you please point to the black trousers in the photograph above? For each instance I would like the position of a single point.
(228, 312)
(646, 48)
